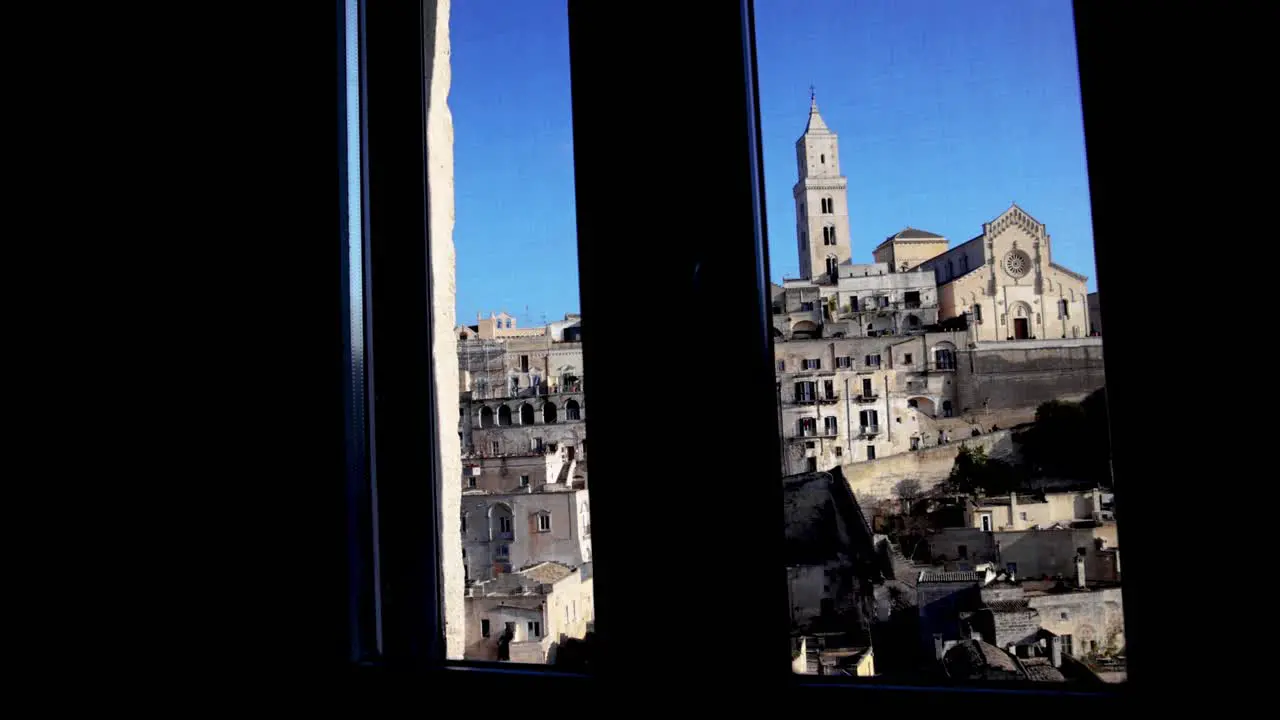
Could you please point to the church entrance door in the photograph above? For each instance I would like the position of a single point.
(1020, 329)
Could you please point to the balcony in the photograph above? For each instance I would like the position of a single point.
(815, 399)
(868, 430)
(867, 397)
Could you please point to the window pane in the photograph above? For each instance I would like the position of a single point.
(527, 530)
(966, 447)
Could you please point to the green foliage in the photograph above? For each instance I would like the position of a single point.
(1071, 439)
(974, 473)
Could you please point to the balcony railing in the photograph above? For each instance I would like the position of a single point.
(815, 434)
(815, 399)
(867, 397)
(869, 430)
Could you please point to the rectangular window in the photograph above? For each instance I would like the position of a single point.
(811, 464)
(828, 390)
(813, 364)
(829, 425)
(866, 387)
(524, 481)
(782, 366)
(804, 392)
(544, 523)
(853, 304)
(535, 628)
(845, 362)
(963, 551)
(477, 166)
(839, 451)
(806, 305)
(906, 358)
(915, 443)
(977, 314)
(495, 448)
(504, 524)
(471, 483)
(808, 427)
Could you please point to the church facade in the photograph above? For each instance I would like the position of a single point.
(879, 358)
(1003, 282)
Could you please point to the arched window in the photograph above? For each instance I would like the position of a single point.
(548, 412)
(822, 159)
(504, 415)
(571, 410)
(501, 522)
(1064, 309)
(486, 417)
(944, 356)
(526, 414)
(832, 265)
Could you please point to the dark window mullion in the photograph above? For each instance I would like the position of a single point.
(678, 99)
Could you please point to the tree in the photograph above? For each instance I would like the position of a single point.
(1071, 439)
(973, 473)
(908, 490)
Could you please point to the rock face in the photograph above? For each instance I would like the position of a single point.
(439, 142)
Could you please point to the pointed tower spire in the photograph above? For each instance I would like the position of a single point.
(815, 120)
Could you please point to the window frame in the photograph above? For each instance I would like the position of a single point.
(716, 268)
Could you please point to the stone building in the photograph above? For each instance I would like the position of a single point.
(1030, 622)
(871, 356)
(503, 532)
(1024, 512)
(851, 399)
(522, 393)
(1006, 280)
(523, 617)
(831, 568)
(520, 472)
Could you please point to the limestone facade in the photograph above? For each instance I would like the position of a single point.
(508, 532)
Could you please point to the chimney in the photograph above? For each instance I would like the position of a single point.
(1080, 571)
(1055, 651)
(1013, 511)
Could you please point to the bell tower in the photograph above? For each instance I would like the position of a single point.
(821, 197)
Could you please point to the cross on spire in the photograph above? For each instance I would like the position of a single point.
(812, 95)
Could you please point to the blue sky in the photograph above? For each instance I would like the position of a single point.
(947, 111)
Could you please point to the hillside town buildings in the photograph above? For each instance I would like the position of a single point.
(874, 361)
